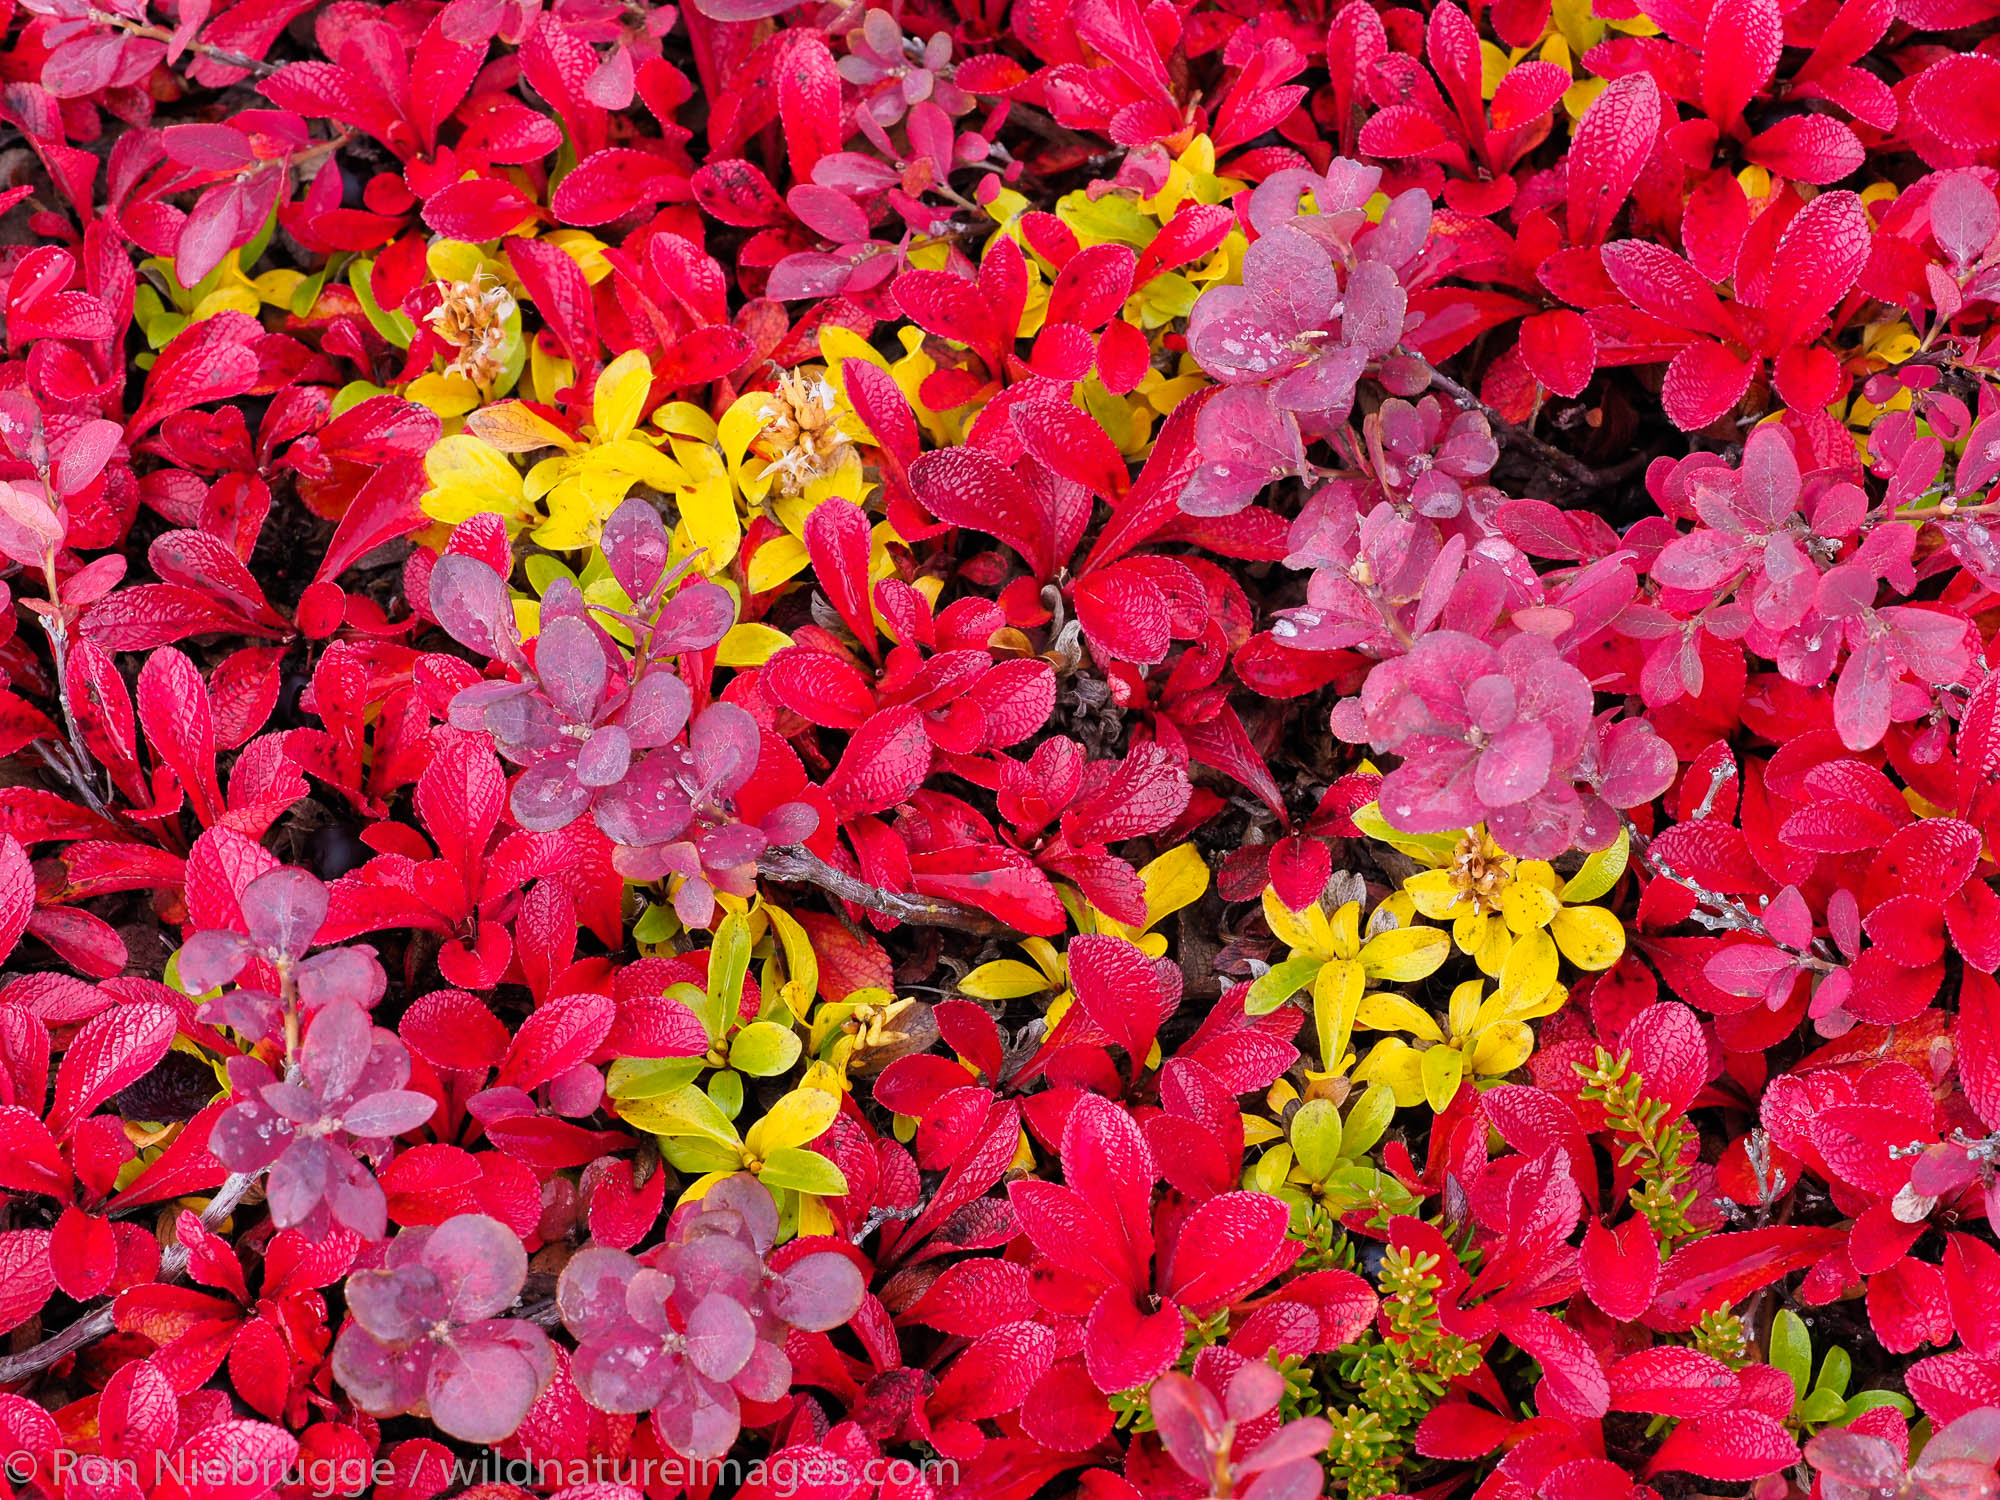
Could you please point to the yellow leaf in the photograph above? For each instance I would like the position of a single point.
(447, 395)
(453, 260)
(1288, 926)
(620, 396)
(741, 424)
(1406, 953)
(749, 644)
(1501, 1048)
(1398, 1066)
(685, 1111)
(802, 1115)
(801, 963)
(1600, 872)
(1337, 992)
(837, 344)
(641, 461)
(685, 419)
(1004, 979)
(1589, 936)
(1526, 905)
(1529, 972)
(775, 561)
(1435, 893)
(708, 513)
(1174, 880)
(585, 249)
(1465, 1009)
(1443, 1070)
(1485, 939)
(238, 298)
(1391, 1012)
(1258, 1131)
(515, 427)
(464, 462)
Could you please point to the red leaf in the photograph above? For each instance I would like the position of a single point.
(993, 879)
(1119, 989)
(174, 710)
(884, 763)
(484, 208)
(556, 285)
(1560, 350)
(1672, 1381)
(17, 893)
(26, 1281)
(1620, 1268)
(809, 102)
(837, 539)
(609, 185)
(1958, 98)
(114, 1048)
(1124, 615)
(1977, 1032)
(211, 360)
(1807, 148)
(1732, 1447)
(1669, 1052)
(1572, 1379)
(819, 687)
(1703, 384)
(1819, 256)
(236, 1459)
(563, 1033)
(1723, 1269)
(455, 1031)
(1739, 52)
(1072, 443)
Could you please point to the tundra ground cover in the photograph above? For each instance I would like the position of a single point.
(1053, 747)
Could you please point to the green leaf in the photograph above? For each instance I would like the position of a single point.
(247, 256)
(393, 326)
(1599, 873)
(1862, 1401)
(1271, 1170)
(726, 1089)
(698, 1155)
(1791, 1349)
(728, 962)
(1820, 1408)
(650, 1077)
(803, 1171)
(656, 924)
(353, 394)
(306, 293)
(1279, 983)
(1315, 1136)
(686, 1112)
(1366, 1120)
(1835, 1371)
(764, 1049)
(543, 570)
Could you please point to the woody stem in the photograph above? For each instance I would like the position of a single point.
(222, 55)
(796, 863)
(95, 1324)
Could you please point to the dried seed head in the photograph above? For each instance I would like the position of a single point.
(801, 439)
(471, 316)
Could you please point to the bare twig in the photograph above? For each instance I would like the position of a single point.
(96, 1323)
(1571, 468)
(796, 863)
(220, 55)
